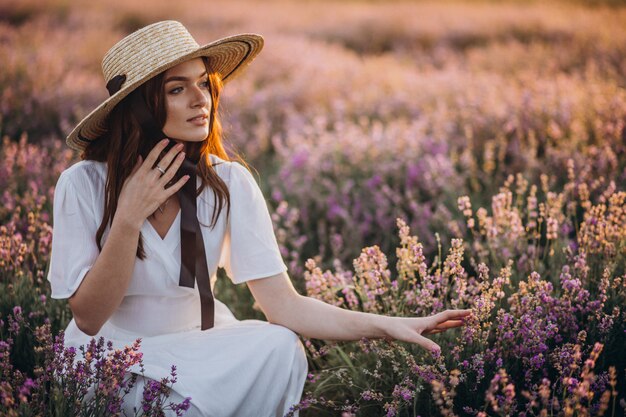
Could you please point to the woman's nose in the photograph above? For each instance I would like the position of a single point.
(201, 97)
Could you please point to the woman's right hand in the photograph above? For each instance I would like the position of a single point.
(144, 189)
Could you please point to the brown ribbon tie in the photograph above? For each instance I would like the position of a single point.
(193, 265)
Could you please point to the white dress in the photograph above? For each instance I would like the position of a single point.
(236, 368)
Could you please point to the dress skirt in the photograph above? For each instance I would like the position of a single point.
(238, 368)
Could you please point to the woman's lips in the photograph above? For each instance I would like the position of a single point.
(199, 120)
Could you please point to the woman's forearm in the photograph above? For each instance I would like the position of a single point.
(312, 318)
(315, 319)
(104, 286)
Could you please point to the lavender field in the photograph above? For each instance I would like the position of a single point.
(415, 156)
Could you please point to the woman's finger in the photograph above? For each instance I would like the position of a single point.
(449, 324)
(176, 186)
(442, 327)
(137, 165)
(434, 331)
(170, 155)
(153, 156)
(451, 315)
(171, 171)
(426, 343)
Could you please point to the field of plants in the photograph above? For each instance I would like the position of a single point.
(415, 156)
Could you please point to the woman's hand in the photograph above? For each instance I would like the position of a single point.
(413, 329)
(144, 189)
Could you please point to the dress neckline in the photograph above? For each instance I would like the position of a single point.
(173, 231)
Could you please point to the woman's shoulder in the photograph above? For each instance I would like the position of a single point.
(85, 174)
(227, 170)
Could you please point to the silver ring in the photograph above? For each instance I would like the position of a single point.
(160, 170)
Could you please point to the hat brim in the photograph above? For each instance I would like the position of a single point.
(230, 57)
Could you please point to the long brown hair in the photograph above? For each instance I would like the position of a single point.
(124, 140)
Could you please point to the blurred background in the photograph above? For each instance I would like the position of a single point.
(502, 123)
(356, 112)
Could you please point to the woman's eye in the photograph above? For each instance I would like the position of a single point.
(176, 90)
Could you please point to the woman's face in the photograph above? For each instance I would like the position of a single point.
(187, 102)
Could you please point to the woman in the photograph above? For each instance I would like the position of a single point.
(140, 221)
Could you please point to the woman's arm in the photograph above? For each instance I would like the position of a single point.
(313, 318)
(105, 284)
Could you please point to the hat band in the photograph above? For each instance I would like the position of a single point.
(115, 83)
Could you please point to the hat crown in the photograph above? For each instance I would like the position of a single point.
(147, 49)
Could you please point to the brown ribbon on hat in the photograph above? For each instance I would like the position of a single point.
(193, 262)
(115, 83)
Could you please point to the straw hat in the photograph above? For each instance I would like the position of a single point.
(150, 51)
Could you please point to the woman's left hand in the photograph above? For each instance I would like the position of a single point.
(413, 329)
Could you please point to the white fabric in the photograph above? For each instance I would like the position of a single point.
(236, 368)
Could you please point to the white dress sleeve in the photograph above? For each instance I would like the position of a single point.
(74, 248)
(250, 250)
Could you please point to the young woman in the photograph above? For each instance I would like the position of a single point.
(155, 206)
